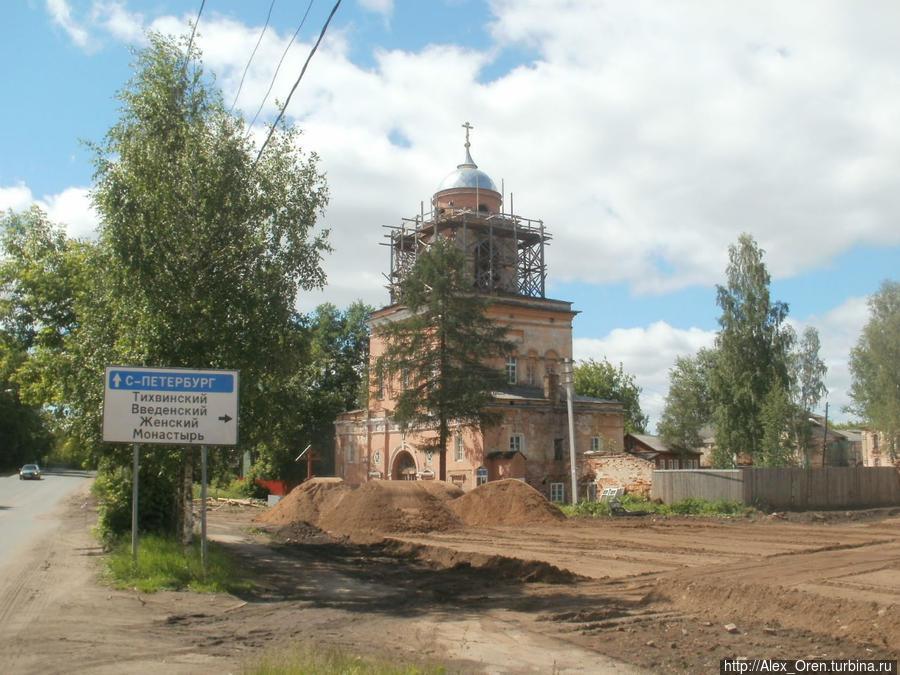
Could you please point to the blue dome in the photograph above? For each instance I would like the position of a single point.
(467, 175)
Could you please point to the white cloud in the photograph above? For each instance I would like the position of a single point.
(646, 353)
(70, 208)
(61, 14)
(119, 22)
(646, 136)
(15, 197)
(379, 6)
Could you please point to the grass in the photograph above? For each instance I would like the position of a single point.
(163, 565)
(309, 659)
(236, 489)
(690, 506)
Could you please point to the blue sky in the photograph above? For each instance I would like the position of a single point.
(646, 135)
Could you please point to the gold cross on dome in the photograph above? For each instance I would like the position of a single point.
(467, 127)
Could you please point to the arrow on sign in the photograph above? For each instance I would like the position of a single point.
(117, 380)
(225, 418)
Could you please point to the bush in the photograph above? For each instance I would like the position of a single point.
(156, 498)
(719, 507)
(689, 506)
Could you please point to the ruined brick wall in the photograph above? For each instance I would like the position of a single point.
(621, 469)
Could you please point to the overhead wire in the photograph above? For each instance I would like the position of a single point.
(296, 84)
(194, 28)
(278, 67)
(252, 54)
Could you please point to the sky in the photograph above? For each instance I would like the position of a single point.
(646, 135)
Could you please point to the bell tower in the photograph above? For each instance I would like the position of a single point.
(504, 252)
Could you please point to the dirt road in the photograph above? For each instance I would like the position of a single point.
(652, 595)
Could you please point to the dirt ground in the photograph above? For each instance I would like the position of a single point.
(646, 594)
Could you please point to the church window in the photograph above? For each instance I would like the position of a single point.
(596, 444)
(557, 493)
(512, 369)
(350, 454)
(487, 265)
(458, 447)
(558, 449)
(516, 443)
(481, 476)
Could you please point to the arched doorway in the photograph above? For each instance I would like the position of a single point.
(404, 466)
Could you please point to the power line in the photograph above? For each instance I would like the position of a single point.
(194, 29)
(300, 77)
(278, 67)
(252, 54)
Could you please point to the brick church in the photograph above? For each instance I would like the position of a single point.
(505, 256)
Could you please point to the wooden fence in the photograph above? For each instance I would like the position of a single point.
(819, 488)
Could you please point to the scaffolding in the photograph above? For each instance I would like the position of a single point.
(504, 252)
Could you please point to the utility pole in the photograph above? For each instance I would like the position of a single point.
(569, 374)
(825, 435)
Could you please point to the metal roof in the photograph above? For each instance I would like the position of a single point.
(467, 175)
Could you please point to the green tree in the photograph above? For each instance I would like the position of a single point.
(441, 350)
(776, 416)
(203, 248)
(808, 379)
(24, 433)
(39, 272)
(601, 379)
(752, 352)
(689, 405)
(875, 367)
(330, 380)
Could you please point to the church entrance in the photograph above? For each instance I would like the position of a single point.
(404, 467)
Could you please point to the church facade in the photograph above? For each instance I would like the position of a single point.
(504, 255)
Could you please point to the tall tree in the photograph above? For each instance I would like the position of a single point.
(206, 248)
(330, 381)
(875, 367)
(601, 379)
(689, 406)
(807, 372)
(40, 271)
(752, 347)
(444, 352)
(776, 416)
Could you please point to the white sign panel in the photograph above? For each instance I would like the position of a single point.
(174, 406)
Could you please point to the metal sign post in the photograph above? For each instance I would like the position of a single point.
(134, 504)
(203, 506)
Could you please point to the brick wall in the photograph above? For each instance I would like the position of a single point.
(621, 469)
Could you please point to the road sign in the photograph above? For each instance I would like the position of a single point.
(174, 406)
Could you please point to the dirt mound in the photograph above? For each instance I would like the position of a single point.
(505, 502)
(306, 502)
(393, 506)
(382, 507)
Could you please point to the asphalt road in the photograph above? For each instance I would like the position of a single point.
(25, 505)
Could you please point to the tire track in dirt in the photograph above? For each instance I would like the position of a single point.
(36, 583)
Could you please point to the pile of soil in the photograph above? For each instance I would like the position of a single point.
(384, 507)
(394, 506)
(505, 502)
(306, 502)
(377, 507)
